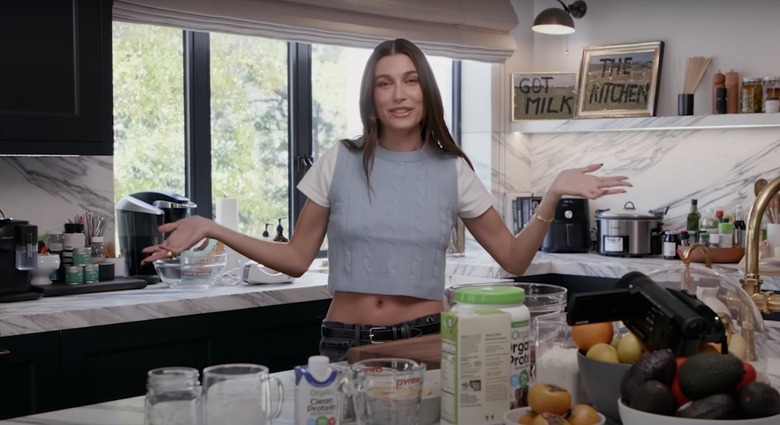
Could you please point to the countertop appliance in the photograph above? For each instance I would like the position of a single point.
(138, 217)
(570, 229)
(630, 233)
(18, 255)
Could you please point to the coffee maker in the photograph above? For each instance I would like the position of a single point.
(18, 255)
(138, 217)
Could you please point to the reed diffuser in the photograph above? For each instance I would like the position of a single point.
(695, 68)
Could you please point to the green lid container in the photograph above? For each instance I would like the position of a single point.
(490, 295)
(726, 227)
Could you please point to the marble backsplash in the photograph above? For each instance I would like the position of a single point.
(666, 167)
(47, 191)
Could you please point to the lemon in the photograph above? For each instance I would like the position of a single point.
(603, 352)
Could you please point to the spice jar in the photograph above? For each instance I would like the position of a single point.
(671, 242)
(173, 397)
(751, 95)
(98, 250)
(771, 86)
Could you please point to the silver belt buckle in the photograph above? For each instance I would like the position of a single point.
(371, 334)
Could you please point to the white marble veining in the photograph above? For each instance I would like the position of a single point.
(46, 191)
(158, 301)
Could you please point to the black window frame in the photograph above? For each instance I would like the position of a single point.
(197, 121)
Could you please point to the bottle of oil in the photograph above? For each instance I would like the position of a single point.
(693, 220)
(280, 232)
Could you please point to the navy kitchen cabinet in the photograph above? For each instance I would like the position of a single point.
(55, 78)
(76, 367)
(29, 374)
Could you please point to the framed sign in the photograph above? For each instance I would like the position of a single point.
(619, 80)
(539, 96)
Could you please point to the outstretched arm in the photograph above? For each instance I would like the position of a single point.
(292, 258)
(515, 253)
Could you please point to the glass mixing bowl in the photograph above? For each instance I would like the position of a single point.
(191, 272)
(540, 298)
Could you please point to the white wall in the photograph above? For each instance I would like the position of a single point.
(740, 35)
(667, 168)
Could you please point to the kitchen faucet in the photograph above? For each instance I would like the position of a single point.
(767, 302)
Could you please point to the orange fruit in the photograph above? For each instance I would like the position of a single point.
(588, 335)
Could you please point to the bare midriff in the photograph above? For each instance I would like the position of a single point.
(372, 309)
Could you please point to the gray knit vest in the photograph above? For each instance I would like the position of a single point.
(395, 242)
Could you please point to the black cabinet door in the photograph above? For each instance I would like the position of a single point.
(103, 363)
(55, 78)
(29, 374)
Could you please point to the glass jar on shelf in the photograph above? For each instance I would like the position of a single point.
(751, 95)
(771, 88)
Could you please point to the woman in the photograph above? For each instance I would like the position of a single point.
(389, 201)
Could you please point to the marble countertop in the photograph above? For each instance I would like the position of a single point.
(158, 301)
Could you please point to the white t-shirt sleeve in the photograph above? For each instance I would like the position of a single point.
(316, 183)
(473, 197)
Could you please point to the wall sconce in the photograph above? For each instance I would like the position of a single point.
(559, 21)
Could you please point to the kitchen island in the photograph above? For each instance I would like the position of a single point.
(83, 349)
(130, 411)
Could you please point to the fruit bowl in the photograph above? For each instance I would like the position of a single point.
(191, 272)
(631, 416)
(512, 417)
(602, 383)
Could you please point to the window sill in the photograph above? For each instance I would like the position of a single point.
(695, 122)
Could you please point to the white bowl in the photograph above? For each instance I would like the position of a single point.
(47, 264)
(631, 416)
(430, 405)
(513, 416)
(191, 272)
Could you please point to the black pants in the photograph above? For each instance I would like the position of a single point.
(339, 337)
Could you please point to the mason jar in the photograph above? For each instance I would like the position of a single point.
(751, 95)
(173, 397)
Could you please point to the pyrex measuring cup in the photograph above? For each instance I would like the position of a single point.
(385, 391)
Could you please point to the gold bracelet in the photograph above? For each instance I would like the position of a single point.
(544, 220)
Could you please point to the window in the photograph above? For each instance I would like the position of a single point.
(148, 109)
(250, 104)
(249, 128)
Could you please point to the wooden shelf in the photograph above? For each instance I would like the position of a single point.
(697, 122)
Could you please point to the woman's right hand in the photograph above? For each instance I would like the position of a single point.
(182, 235)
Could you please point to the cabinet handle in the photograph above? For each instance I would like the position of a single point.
(4, 352)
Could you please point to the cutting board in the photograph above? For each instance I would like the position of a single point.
(426, 349)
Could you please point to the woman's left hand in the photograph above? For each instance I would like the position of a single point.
(579, 182)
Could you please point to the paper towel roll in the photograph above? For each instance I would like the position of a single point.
(227, 213)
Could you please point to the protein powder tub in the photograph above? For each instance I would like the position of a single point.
(509, 299)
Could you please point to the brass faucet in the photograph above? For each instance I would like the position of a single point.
(767, 302)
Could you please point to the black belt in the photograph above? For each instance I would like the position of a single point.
(375, 333)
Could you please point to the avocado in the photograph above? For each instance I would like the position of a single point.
(716, 406)
(706, 374)
(654, 397)
(658, 365)
(758, 400)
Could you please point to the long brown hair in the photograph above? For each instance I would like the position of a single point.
(433, 128)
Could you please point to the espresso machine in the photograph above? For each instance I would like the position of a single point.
(138, 217)
(18, 255)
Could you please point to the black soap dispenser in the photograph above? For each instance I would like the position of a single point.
(280, 232)
(265, 234)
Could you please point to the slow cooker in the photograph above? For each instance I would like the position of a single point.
(629, 233)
